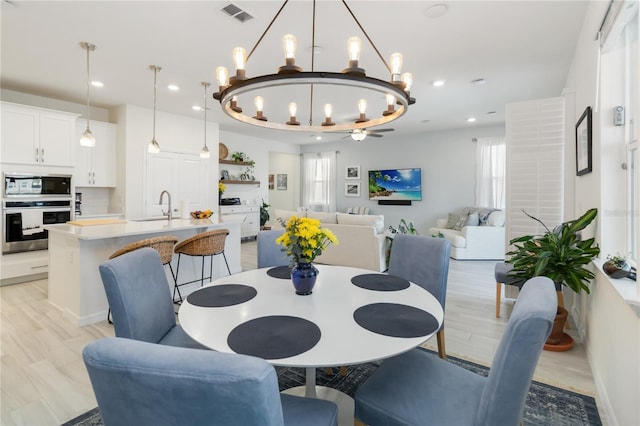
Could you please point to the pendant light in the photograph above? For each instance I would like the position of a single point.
(204, 152)
(154, 146)
(87, 139)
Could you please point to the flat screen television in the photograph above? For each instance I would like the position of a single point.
(395, 184)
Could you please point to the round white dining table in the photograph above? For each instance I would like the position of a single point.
(331, 307)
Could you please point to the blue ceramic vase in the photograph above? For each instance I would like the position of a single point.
(303, 276)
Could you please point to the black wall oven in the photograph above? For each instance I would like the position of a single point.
(29, 202)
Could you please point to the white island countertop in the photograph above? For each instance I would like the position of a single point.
(130, 227)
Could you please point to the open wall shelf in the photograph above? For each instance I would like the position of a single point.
(236, 163)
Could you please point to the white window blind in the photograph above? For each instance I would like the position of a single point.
(319, 181)
(535, 165)
(490, 171)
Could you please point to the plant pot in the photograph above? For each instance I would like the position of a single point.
(303, 276)
(615, 270)
(558, 340)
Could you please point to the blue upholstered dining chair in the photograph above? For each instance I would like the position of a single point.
(140, 299)
(138, 383)
(270, 253)
(425, 262)
(418, 388)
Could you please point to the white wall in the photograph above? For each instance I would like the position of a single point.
(259, 150)
(447, 160)
(611, 328)
(289, 199)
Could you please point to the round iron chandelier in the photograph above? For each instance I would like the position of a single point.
(232, 89)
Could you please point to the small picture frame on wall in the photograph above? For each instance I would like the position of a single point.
(352, 189)
(282, 182)
(584, 160)
(271, 182)
(352, 172)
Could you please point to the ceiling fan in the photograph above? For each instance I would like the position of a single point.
(361, 134)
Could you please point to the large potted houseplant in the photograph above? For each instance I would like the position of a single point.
(561, 255)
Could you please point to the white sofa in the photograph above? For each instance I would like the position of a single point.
(479, 234)
(361, 238)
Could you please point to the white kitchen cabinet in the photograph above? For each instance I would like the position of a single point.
(37, 136)
(248, 216)
(96, 166)
(185, 176)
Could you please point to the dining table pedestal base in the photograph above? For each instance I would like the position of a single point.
(342, 400)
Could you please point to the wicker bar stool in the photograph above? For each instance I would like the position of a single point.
(163, 245)
(209, 243)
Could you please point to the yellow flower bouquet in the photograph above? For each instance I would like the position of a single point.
(221, 188)
(304, 239)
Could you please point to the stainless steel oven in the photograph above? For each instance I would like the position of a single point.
(30, 202)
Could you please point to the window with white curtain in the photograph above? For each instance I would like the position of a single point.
(319, 181)
(490, 172)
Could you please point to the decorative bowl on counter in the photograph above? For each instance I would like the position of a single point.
(201, 214)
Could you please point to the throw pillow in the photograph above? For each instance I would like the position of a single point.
(472, 220)
(460, 224)
(453, 219)
(286, 214)
(496, 218)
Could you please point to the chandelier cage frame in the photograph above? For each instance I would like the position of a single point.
(290, 74)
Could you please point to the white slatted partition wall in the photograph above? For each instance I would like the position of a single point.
(535, 165)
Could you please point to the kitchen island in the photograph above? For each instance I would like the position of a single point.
(76, 252)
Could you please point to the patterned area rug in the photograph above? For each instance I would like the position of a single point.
(545, 405)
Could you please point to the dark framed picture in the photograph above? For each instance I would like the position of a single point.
(271, 180)
(584, 163)
(352, 189)
(282, 182)
(352, 172)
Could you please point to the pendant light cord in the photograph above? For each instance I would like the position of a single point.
(88, 87)
(155, 85)
(205, 84)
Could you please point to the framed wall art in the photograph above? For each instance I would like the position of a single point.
(282, 182)
(352, 189)
(352, 172)
(584, 163)
(271, 182)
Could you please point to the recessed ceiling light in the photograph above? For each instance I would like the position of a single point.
(471, 119)
(196, 108)
(318, 138)
(478, 81)
(491, 113)
(438, 83)
(96, 83)
(173, 87)
(436, 11)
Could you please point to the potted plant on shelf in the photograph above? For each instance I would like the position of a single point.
(561, 255)
(618, 267)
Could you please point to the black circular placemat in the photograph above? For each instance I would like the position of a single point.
(380, 282)
(274, 337)
(392, 319)
(280, 272)
(222, 295)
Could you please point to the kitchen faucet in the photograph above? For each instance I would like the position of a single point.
(168, 213)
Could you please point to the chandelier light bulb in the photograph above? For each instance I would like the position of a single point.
(258, 101)
(328, 110)
(396, 65)
(362, 107)
(240, 60)
(222, 76)
(407, 79)
(354, 47)
(293, 108)
(289, 45)
(391, 101)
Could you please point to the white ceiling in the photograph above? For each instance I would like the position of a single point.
(522, 48)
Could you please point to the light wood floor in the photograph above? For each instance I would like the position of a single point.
(43, 380)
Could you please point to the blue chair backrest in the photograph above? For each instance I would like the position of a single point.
(270, 253)
(139, 295)
(423, 261)
(144, 384)
(505, 392)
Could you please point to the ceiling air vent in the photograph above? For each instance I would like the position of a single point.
(237, 13)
